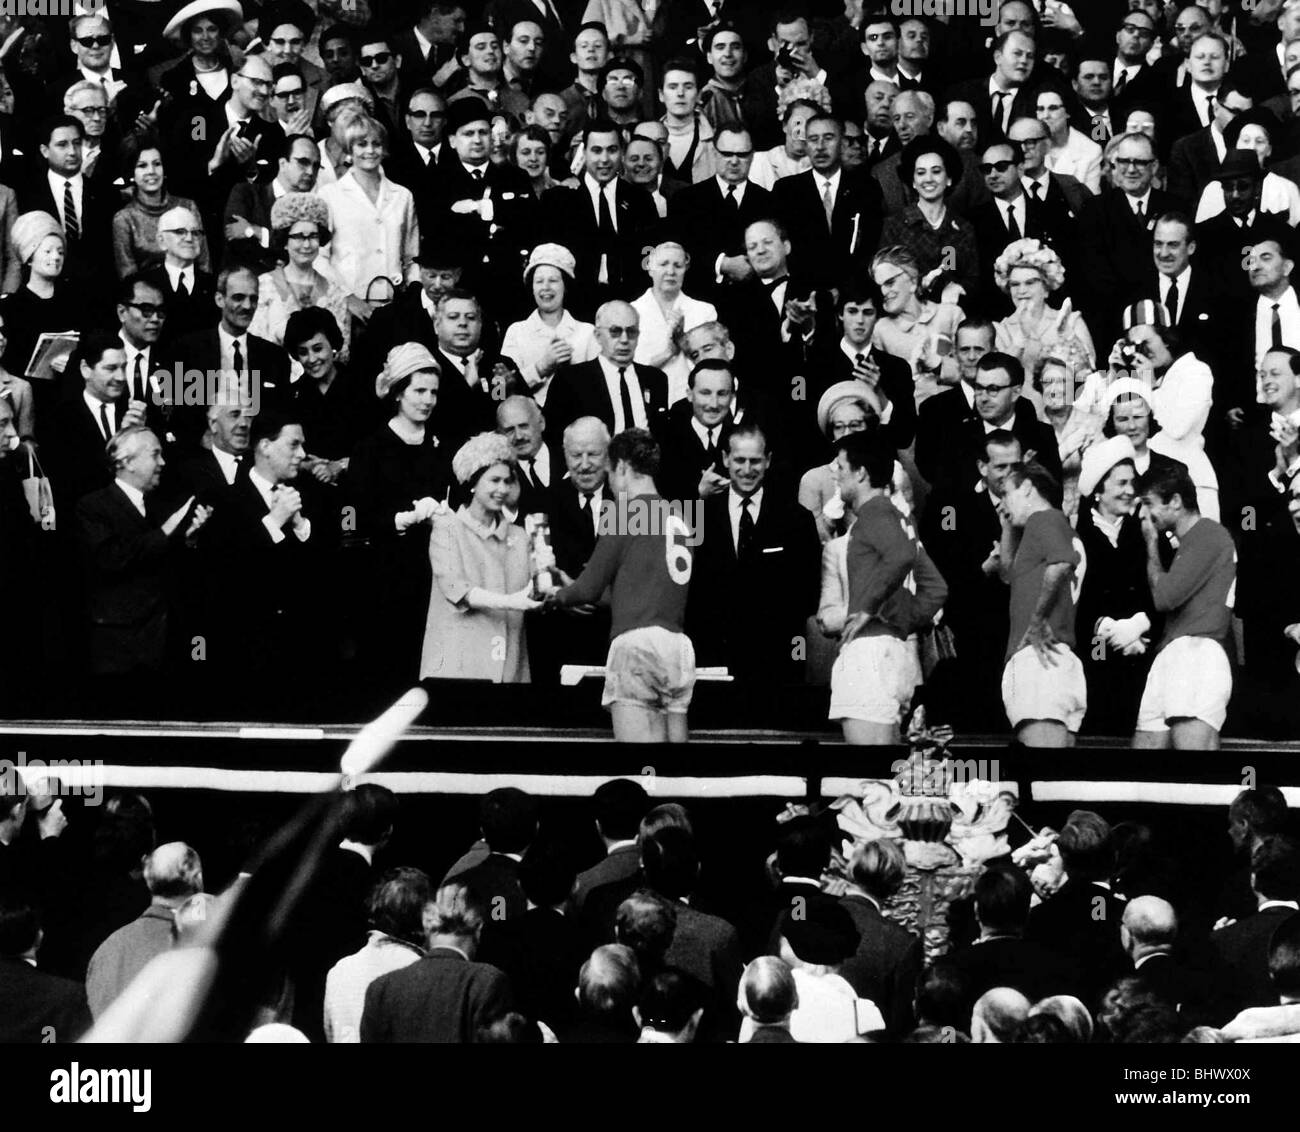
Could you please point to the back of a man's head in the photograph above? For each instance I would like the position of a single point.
(1275, 868)
(546, 874)
(661, 817)
(802, 848)
(454, 913)
(609, 982)
(943, 997)
(998, 1015)
(620, 804)
(1261, 810)
(670, 862)
(508, 819)
(1284, 959)
(1151, 923)
(878, 867)
(669, 1003)
(369, 813)
(173, 872)
(397, 902)
(19, 926)
(1002, 897)
(768, 993)
(646, 923)
(1085, 846)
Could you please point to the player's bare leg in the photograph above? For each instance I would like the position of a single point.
(678, 729)
(1043, 733)
(861, 733)
(1193, 735)
(1151, 740)
(636, 724)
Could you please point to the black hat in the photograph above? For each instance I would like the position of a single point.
(820, 931)
(1260, 116)
(285, 12)
(447, 249)
(929, 143)
(1240, 163)
(620, 64)
(463, 111)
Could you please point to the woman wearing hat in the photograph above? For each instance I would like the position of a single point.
(1115, 614)
(942, 242)
(667, 315)
(550, 337)
(1075, 429)
(1029, 271)
(135, 226)
(915, 329)
(43, 303)
(300, 227)
(375, 230)
(482, 574)
(203, 29)
(396, 475)
(1253, 130)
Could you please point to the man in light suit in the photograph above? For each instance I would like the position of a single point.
(621, 393)
(833, 215)
(126, 558)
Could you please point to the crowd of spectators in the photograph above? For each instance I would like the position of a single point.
(1089, 933)
(273, 275)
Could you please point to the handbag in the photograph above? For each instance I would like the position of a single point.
(40, 496)
(382, 300)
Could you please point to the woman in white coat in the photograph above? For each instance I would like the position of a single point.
(375, 231)
(667, 315)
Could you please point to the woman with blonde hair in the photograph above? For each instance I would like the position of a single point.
(668, 315)
(1029, 271)
(921, 332)
(482, 574)
(300, 227)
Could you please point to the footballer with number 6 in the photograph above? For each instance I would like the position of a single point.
(646, 566)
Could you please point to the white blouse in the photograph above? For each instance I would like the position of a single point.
(654, 340)
(369, 239)
(526, 341)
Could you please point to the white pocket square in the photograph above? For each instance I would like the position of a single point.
(773, 549)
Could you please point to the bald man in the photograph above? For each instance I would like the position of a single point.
(174, 875)
(768, 997)
(997, 1016)
(1149, 935)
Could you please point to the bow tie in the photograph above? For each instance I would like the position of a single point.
(773, 284)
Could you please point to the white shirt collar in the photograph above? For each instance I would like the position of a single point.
(366, 852)
(133, 493)
(1144, 200)
(723, 186)
(93, 403)
(703, 433)
(734, 500)
(176, 273)
(1181, 279)
(228, 340)
(264, 486)
(1279, 904)
(227, 462)
(833, 180)
(851, 352)
(541, 465)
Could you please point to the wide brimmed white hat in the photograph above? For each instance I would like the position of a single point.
(228, 8)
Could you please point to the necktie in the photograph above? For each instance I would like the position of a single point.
(773, 284)
(1277, 325)
(530, 475)
(1171, 302)
(999, 101)
(137, 384)
(1036, 189)
(182, 291)
(625, 395)
(589, 505)
(1121, 83)
(876, 146)
(1013, 229)
(1140, 213)
(745, 535)
(478, 174)
(238, 355)
(71, 225)
(108, 428)
(828, 206)
(712, 451)
(731, 198)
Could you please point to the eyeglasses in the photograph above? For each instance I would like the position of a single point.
(995, 166)
(727, 154)
(1051, 108)
(147, 310)
(1135, 162)
(839, 428)
(1137, 29)
(280, 41)
(623, 331)
(376, 60)
(308, 236)
(426, 115)
(94, 40)
(258, 84)
(91, 111)
(181, 233)
(991, 390)
(297, 92)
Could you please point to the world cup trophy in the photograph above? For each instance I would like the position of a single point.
(546, 576)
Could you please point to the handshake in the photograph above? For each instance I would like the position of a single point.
(421, 511)
(1126, 634)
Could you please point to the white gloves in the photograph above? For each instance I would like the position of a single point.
(1126, 634)
(422, 510)
(833, 508)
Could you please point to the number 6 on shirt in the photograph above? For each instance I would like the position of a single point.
(678, 554)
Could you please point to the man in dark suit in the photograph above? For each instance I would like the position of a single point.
(1223, 242)
(1012, 214)
(620, 392)
(803, 853)
(520, 421)
(249, 204)
(606, 222)
(695, 435)
(1008, 93)
(91, 42)
(559, 21)
(491, 207)
(428, 47)
(1195, 158)
(791, 40)
(1115, 235)
(84, 423)
(888, 958)
(1243, 946)
(619, 806)
(758, 550)
(150, 373)
(415, 157)
(1081, 921)
(1150, 936)
(1185, 288)
(126, 558)
(1001, 956)
(35, 1006)
(189, 292)
(710, 218)
(59, 188)
(1134, 81)
(446, 996)
(508, 823)
(1192, 107)
(768, 997)
(833, 215)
